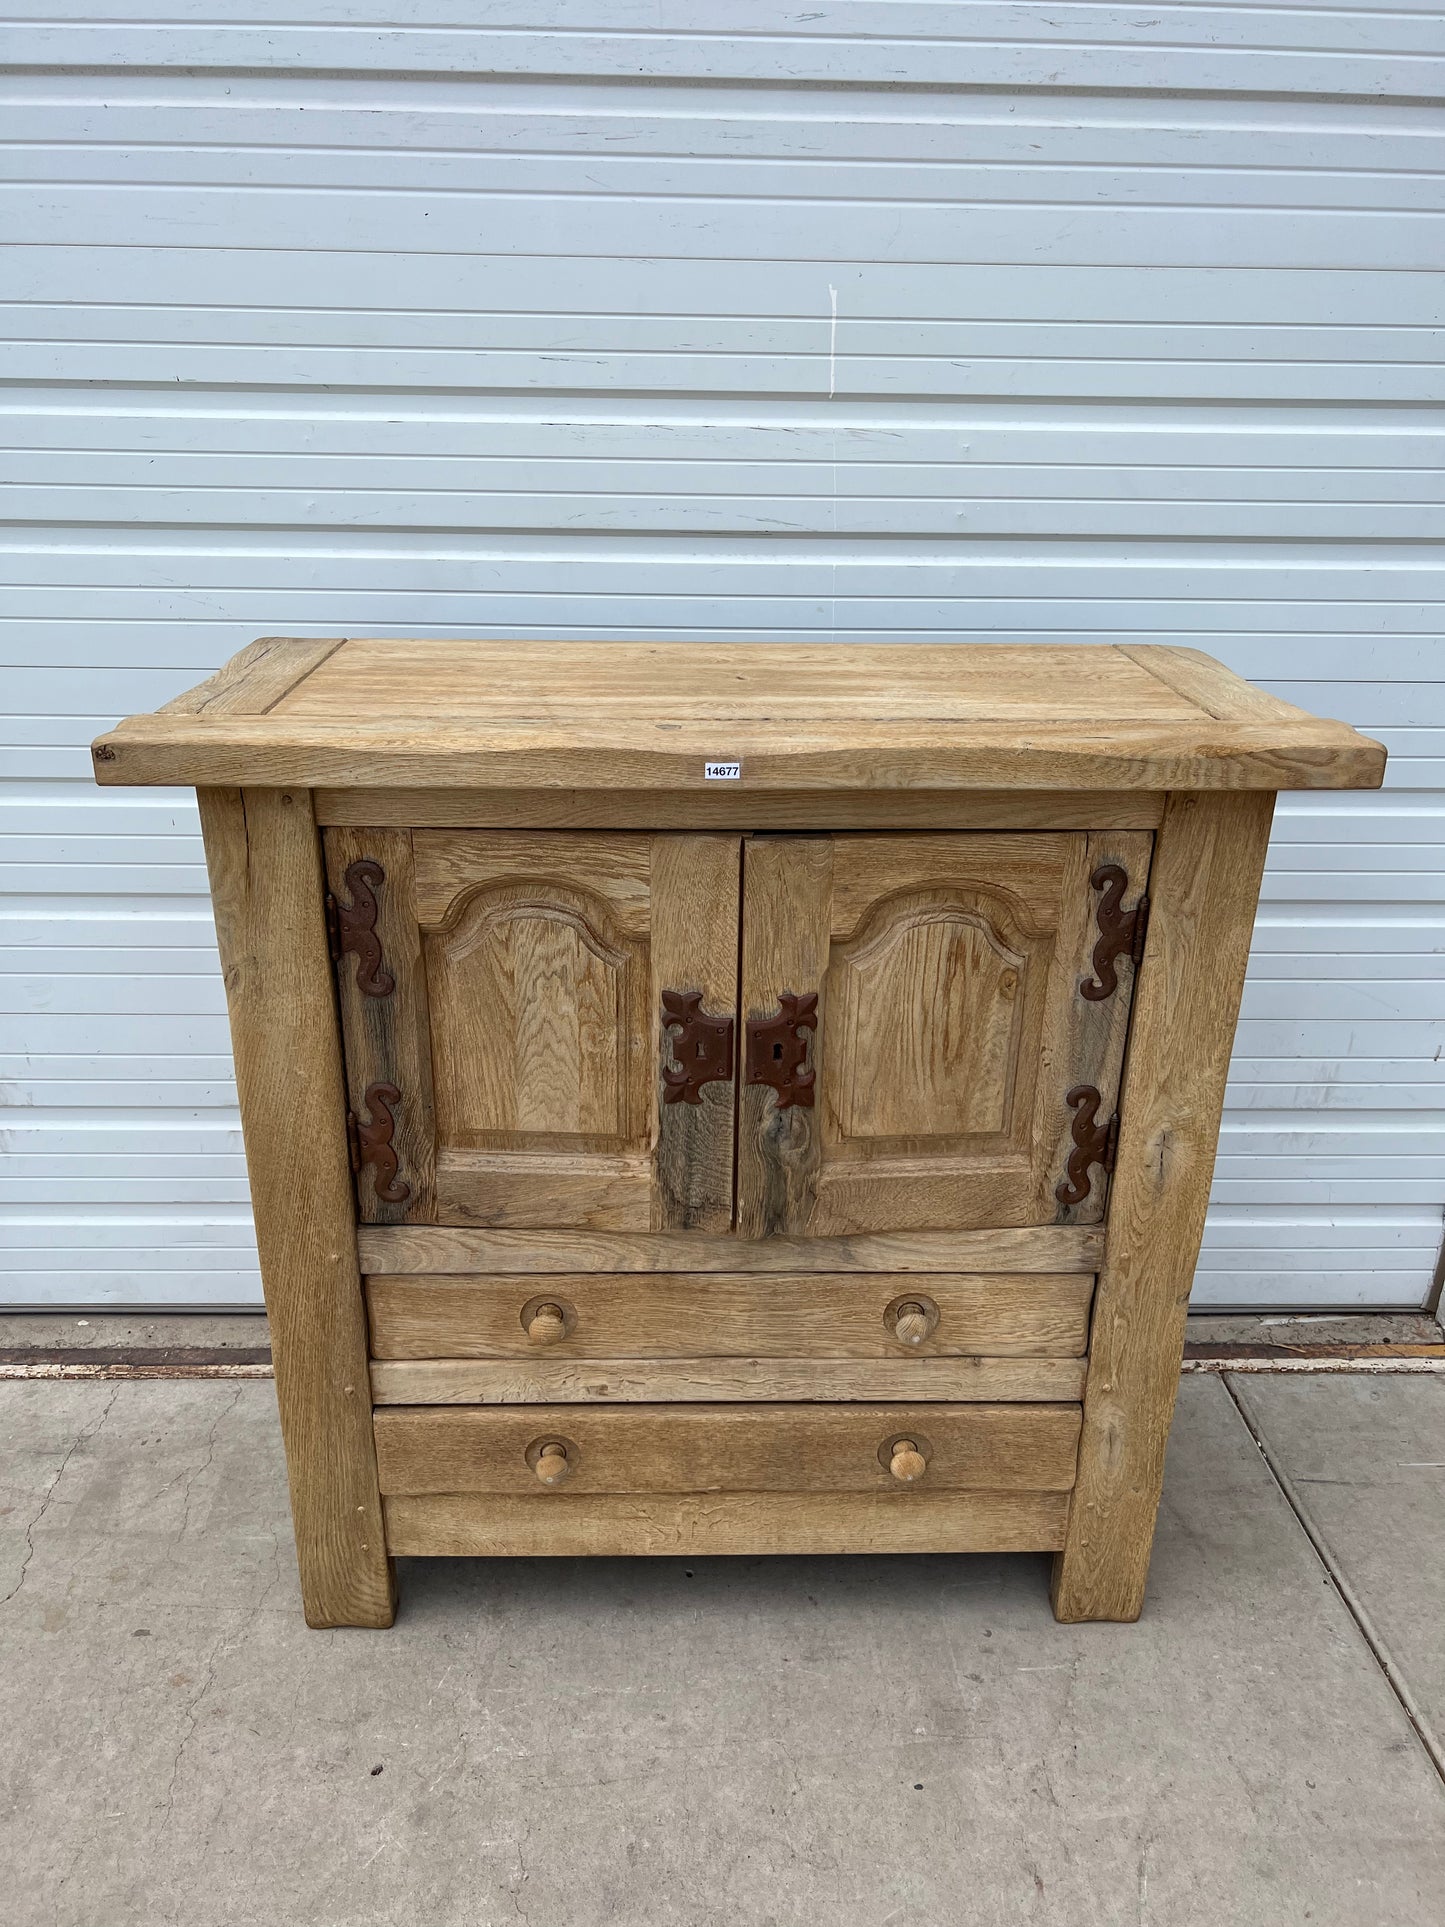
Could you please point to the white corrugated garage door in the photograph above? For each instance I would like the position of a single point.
(883, 318)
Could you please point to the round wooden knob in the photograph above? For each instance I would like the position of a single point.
(552, 1463)
(912, 1324)
(907, 1462)
(911, 1319)
(546, 1325)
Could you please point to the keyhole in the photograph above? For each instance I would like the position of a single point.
(777, 1053)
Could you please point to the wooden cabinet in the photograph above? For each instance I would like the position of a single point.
(729, 1099)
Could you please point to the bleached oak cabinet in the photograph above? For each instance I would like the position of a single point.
(729, 1099)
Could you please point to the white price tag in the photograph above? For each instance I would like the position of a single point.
(722, 772)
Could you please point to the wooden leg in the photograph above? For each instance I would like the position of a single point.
(266, 881)
(1203, 887)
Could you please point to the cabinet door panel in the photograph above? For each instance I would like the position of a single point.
(540, 959)
(949, 1028)
(539, 1008)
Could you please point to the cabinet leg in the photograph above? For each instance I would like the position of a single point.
(1203, 885)
(264, 857)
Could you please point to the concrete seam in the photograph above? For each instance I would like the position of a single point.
(1349, 1598)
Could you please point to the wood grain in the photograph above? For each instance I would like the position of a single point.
(722, 807)
(594, 1190)
(718, 1448)
(611, 1381)
(536, 949)
(388, 1039)
(452, 866)
(439, 680)
(695, 882)
(1212, 687)
(787, 888)
(546, 955)
(950, 1027)
(458, 1525)
(620, 717)
(254, 680)
(944, 973)
(729, 1315)
(1204, 884)
(593, 754)
(411, 1249)
(264, 856)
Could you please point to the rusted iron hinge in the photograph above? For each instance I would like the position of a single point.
(352, 927)
(777, 1047)
(1095, 1142)
(703, 1047)
(370, 1143)
(1121, 932)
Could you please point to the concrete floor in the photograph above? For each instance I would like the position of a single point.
(752, 1743)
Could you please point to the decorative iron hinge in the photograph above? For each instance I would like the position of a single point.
(1094, 1143)
(778, 1045)
(1121, 932)
(371, 1144)
(352, 927)
(703, 1047)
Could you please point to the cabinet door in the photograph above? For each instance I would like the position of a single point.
(557, 1047)
(918, 1040)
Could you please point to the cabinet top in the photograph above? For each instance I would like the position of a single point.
(651, 716)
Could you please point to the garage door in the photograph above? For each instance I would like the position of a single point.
(880, 319)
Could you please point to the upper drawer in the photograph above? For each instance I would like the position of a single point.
(730, 1315)
(575, 1338)
(798, 1035)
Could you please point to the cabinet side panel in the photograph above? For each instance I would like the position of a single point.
(1204, 884)
(266, 883)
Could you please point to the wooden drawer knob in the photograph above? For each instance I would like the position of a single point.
(552, 1464)
(907, 1462)
(912, 1319)
(547, 1324)
(911, 1325)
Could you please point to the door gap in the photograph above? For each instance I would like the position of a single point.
(738, 1022)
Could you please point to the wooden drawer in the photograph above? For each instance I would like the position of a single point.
(717, 1315)
(455, 1525)
(720, 1448)
(510, 1341)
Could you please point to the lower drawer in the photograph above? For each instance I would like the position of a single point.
(548, 1453)
(450, 1525)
